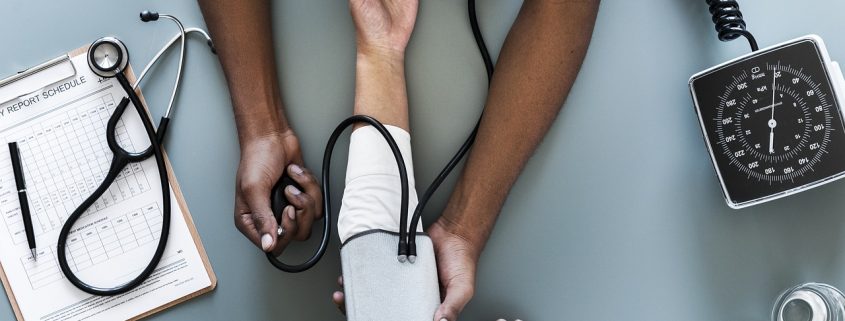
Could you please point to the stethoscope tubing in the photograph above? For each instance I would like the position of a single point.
(120, 159)
(167, 46)
(181, 64)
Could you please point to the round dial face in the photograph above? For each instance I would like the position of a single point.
(774, 123)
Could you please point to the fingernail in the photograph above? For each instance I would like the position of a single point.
(291, 212)
(293, 190)
(296, 169)
(443, 319)
(266, 241)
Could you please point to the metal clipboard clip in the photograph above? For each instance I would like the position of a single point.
(26, 82)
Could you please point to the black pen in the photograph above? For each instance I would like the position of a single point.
(20, 182)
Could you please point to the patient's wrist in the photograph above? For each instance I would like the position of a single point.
(383, 57)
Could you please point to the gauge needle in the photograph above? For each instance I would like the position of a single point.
(772, 122)
(772, 141)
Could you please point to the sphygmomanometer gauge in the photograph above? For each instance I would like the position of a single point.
(772, 121)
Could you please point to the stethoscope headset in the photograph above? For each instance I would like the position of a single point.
(407, 249)
(108, 57)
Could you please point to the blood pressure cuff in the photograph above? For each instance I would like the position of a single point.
(371, 198)
(378, 287)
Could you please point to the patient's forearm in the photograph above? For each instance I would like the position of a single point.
(380, 88)
(379, 93)
(535, 71)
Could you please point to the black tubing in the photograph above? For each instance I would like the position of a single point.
(120, 159)
(488, 65)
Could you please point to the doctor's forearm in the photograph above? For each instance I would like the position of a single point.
(535, 71)
(242, 35)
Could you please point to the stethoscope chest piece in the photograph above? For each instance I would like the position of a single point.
(108, 57)
(810, 302)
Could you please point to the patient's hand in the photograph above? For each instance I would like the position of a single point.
(383, 27)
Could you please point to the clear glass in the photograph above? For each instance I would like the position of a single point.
(810, 302)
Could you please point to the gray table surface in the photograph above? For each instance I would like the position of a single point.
(617, 217)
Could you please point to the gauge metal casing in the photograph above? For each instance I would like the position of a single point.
(757, 157)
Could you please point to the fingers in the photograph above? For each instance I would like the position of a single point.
(306, 202)
(458, 295)
(243, 221)
(289, 228)
(255, 192)
(255, 219)
(304, 212)
(310, 186)
(339, 301)
(338, 297)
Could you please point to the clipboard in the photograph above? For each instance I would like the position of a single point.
(58, 69)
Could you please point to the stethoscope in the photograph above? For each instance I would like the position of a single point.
(108, 57)
(407, 249)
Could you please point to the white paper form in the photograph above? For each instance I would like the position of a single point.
(61, 133)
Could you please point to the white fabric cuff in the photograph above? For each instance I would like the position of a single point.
(372, 196)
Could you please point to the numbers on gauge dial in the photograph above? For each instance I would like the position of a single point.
(774, 122)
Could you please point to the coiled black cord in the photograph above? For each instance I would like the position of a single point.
(729, 21)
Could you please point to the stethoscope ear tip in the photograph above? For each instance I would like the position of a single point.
(147, 16)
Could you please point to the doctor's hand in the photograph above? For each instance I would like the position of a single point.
(383, 27)
(262, 162)
(457, 258)
(456, 263)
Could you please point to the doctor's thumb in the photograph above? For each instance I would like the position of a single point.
(262, 216)
(457, 297)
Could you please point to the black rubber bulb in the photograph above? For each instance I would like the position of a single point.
(278, 202)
